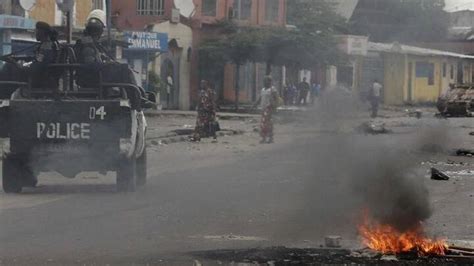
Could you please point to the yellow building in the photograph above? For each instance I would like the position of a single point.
(47, 11)
(418, 75)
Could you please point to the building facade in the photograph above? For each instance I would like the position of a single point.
(186, 30)
(409, 74)
(253, 13)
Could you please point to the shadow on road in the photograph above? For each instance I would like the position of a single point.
(64, 189)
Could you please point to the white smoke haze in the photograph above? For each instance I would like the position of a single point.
(354, 172)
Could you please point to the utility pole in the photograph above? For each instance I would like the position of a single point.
(69, 27)
(108, 5)
(67, 7)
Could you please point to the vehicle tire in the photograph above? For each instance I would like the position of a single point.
(141, 169)
(12, 180)
(30, 179)
(126, 175)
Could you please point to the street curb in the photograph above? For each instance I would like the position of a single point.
(225, 116)
(185, 138)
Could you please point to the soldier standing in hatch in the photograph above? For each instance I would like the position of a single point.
(48, 48)
(45, 53)
(88, 49)
(206, 117)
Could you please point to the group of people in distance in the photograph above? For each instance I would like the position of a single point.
(269, 100)
(299, 94)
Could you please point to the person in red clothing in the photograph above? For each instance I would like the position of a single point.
(268, 102)
(206, 118)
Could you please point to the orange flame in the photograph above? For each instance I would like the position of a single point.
(387, 239)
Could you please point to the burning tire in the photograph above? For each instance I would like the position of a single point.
(141, 169)
(12, 179)
(127, 175)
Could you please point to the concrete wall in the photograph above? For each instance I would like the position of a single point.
(126, 17)
(47, 11)
(403, 85)
(184, 37)
(258, 13)
(394, 79)
(5, 7)
(82, 10)
(44, 10)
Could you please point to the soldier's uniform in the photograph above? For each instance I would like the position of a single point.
(46, 53)
(88, 50)
(88, 53)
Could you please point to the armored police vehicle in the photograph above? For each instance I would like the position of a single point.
(51, 123)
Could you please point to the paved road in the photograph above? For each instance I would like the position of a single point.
(233, 194)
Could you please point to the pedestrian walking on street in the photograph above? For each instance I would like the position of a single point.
(286, 94)
(303, 89)
(206, 124)
(315, 91)
(374, 97)
(269, 100)
(169, 90)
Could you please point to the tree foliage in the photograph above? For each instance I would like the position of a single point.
(402, 20)
(308, 42)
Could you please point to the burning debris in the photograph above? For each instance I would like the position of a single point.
(387, 239)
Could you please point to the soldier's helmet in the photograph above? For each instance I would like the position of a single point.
(97, 16)
(96, 21)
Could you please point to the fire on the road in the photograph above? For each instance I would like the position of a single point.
(388, 240)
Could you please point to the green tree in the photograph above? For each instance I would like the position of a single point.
(238, 46)
(311, 41)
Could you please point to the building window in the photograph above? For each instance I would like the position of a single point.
(98, 4)
(451, 72)
(209, 8)
(272, 10)
(150, 7)
(242, 9)
(425, 70)
(444, 70)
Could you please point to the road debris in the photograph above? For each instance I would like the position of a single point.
(333, 241)
(373, 128)
(414, 113)
(389, 258)
(438, 175)
(465, 152)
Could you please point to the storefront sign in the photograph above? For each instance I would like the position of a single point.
(353, 45)
(175, 16)
(15, 22)
(147, 40)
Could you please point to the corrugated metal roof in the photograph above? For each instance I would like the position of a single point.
(407, 49)
(345, 8)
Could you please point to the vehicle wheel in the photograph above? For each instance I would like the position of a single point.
(30, 179)
(126, 175)
(12, 179)
(141, 169)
